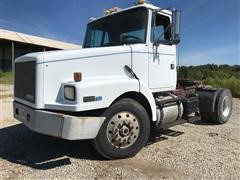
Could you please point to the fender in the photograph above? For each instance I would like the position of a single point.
(145, 92)
(105, 88)
(149, 96)
(108, 88)
(208, 98)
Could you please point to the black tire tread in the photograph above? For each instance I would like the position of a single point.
(215, 116)
(137, 146)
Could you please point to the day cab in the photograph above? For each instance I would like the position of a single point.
(117, 88)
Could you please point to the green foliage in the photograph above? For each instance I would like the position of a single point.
(6, 77)
(231, 83)
(224, 76)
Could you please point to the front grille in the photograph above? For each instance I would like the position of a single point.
(25, 77)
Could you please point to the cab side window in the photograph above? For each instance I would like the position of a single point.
(161, 28)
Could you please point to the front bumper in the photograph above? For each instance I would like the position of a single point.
(57, 124)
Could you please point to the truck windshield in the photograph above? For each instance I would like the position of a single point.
(128, 27)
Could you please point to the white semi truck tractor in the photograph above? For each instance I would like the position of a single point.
(120, 86)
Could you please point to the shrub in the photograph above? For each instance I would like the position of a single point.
(231, 83)
(6, 77)
(217, 76)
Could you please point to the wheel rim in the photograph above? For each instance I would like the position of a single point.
(226, 106)
(123, 130)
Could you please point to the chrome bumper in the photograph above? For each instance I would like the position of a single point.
(57, 124)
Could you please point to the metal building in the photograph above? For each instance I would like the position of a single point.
(15, 44)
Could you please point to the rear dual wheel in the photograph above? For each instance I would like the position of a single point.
(222, 109)
(125, 130)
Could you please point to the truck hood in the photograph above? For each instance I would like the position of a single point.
(56, 67)
(94, 63)
(65, 55)
(77, 54)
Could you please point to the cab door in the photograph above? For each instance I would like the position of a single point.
(162, 55)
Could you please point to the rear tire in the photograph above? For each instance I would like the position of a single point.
(223, 108)
(125, 130)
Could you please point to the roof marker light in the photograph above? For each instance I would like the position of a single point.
(77, 76)
(92, 19)
(112, 10)
(141, 1)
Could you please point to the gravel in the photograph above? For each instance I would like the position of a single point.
(189, 151)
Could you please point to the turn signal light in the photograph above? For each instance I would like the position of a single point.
(77, 76)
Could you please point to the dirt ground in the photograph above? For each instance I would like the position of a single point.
(189, 151)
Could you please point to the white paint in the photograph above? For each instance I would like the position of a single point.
(103, 74)
(161, 76)
(108, 87)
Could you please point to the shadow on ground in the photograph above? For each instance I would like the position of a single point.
(21, 146)
(205, 123)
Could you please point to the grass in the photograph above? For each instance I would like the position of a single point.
(6, 96)
(6, 77)
(220, 76)
(231, 83)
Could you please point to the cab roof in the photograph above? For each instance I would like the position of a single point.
(146, 5)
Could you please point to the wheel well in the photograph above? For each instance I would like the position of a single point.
(139, 97)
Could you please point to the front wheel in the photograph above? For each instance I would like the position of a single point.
(125, 130)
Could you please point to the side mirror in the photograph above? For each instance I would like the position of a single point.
(176, 21)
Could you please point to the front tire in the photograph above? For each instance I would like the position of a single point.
(125, 130)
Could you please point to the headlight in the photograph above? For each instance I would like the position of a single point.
(69, 93)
